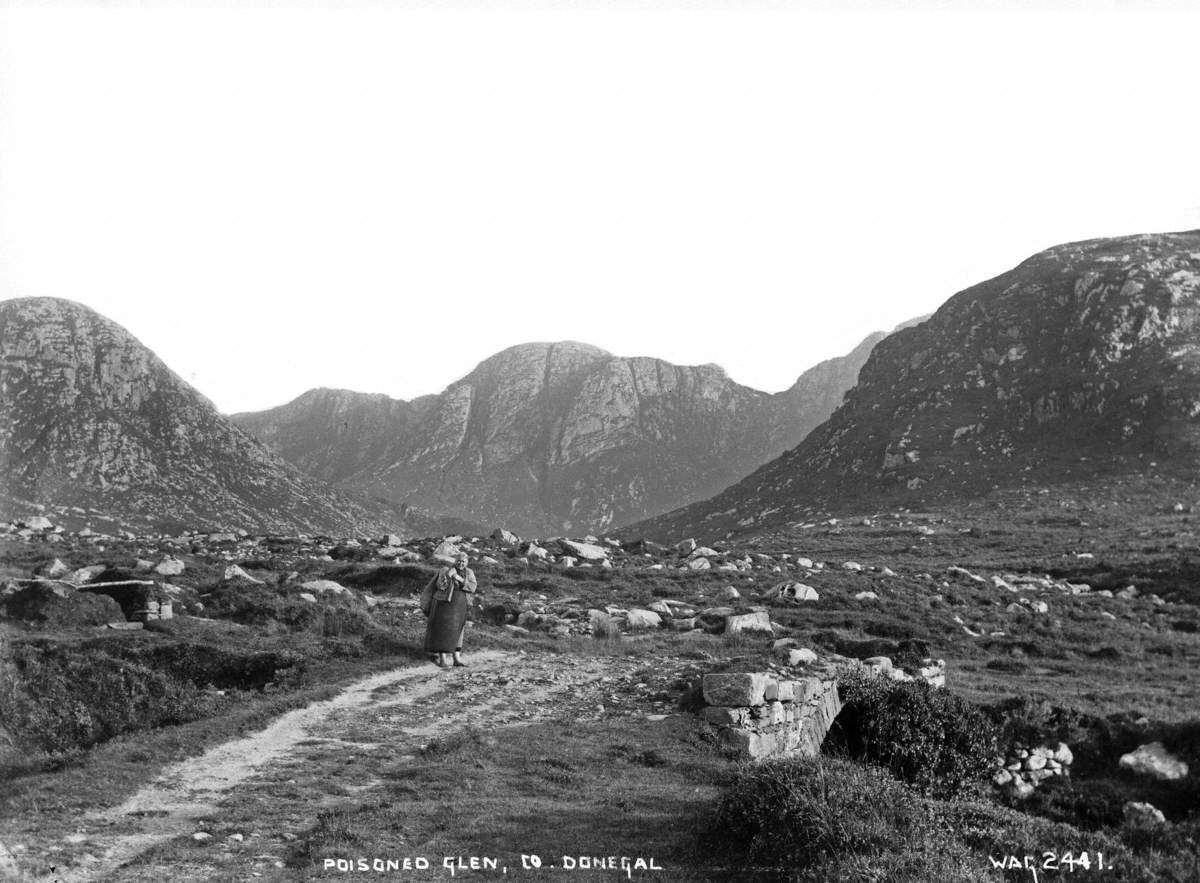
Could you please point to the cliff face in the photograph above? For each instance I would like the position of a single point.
(1086, 357)
(89, 417)
(554, 437)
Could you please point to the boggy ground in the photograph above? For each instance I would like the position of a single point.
(311, 733)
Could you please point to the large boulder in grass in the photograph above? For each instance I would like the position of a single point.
(1155, 761)
(56, 605)
(169, 566)
(233, 572)
(586, 551)
(748, 623)
(324, 587)
(1143, 814)
(55, 569)
(792, 592)
(643, 620)
(446, 552)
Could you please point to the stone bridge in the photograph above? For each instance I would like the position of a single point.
(765, 716)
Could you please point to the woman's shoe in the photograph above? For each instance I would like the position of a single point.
(459, 663)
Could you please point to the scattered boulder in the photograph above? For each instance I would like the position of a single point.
(729, 593)
(56, 569)
(1155, 761)
(169, 566)
(233, 572)
(641, 620)
(534, 552)
(748, 622)
(795, 655)
(1143, 814)
(963, 573)
(323, 586)
(794, 592)
(505, 537)
(601, 623)
(87, 574)
(586, 551)
(933, 672)
(445, 552)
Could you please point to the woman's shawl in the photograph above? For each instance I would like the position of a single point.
(450, 580)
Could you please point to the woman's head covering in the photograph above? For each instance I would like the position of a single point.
(461, 558)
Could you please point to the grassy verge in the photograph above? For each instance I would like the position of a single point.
(621, 787)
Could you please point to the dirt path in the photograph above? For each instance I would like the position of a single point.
(395, 712)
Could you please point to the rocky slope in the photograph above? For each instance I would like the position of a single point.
(554, 437)
(91, 420)
(1083, 360)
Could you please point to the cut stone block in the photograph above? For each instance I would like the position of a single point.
(732, 689)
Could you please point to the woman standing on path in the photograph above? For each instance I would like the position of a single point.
(456, 589)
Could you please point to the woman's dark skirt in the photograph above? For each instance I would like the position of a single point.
(446, 621)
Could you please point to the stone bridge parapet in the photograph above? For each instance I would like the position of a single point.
(766, 716)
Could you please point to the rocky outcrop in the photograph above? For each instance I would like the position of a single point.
(92, 419)
(555, 437)
(1084, 359)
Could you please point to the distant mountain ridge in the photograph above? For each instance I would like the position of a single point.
(1083, 359)
(546, 438)
(91, 418)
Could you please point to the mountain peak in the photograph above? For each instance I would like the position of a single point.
(1078, 360)
(89, 417)
(547, 437)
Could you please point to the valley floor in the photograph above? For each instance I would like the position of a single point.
(325, 739)
(245, 809)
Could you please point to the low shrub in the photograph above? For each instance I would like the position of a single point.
(926, 736)
(826, 819)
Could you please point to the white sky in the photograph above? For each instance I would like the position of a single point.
(378, 196)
